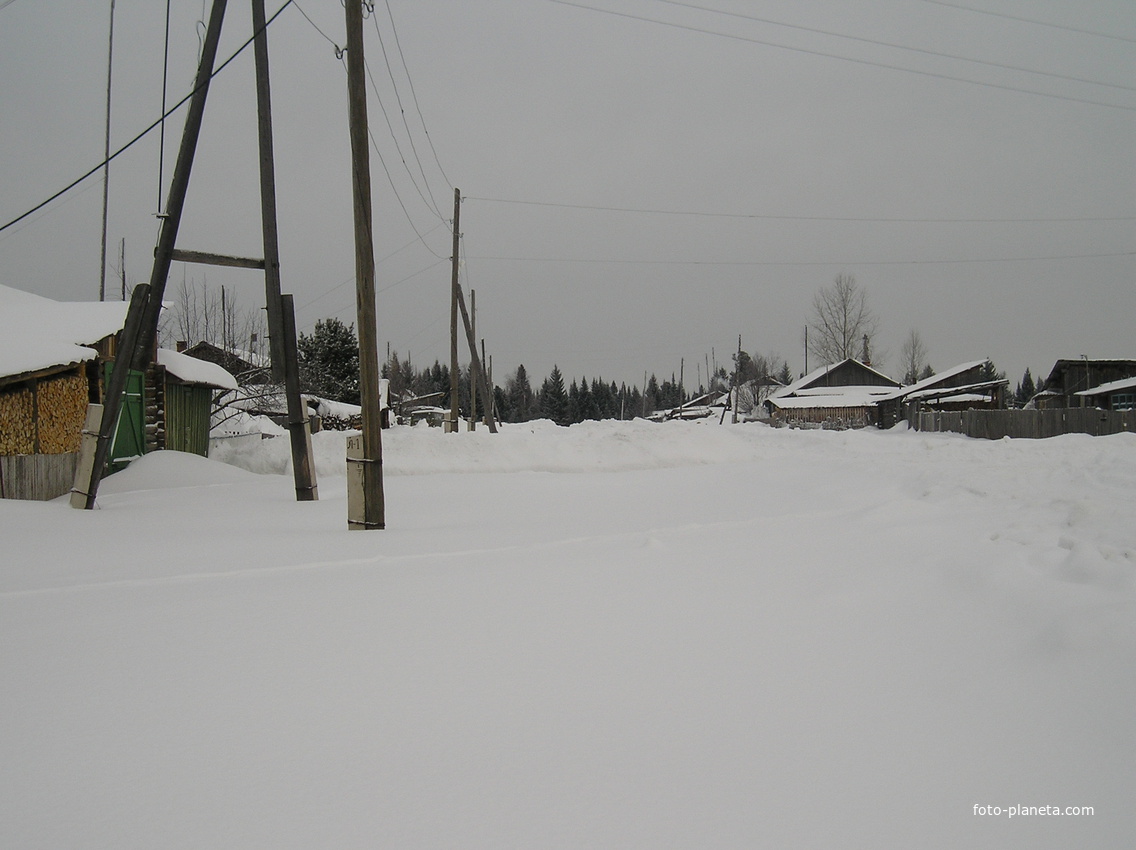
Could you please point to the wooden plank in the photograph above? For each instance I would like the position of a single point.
(207, 259)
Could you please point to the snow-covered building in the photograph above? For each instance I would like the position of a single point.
(961, 387)
(1072, 383)
(54, 360)
(1114, 395)
(839, 395)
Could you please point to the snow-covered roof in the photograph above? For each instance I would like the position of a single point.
(38, 333)
(812, 377)
(194, 371)
(935, 380)
(830, 397)
(1110, 387)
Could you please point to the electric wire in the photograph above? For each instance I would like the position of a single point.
(402, 157)
(402, 112)
(414, 95)
(338, 50)
(146, 131)
(1065, 27)
(754, 263)
(894, 46)
(777, 217)
(378, 262)
(868, 62)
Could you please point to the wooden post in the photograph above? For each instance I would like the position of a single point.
(737, 385)
(106, 157)
(179, 186)
(88, 446)
(116, 389)
(370, 512)
(299, 426)
(473, 377)
(475, 365)
(268, 196)
(452, 423)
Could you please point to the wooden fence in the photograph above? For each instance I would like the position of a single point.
(1028, 424)
(38, 477)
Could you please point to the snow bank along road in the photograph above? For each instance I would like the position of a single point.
(612, 635)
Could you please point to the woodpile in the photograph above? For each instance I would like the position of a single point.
(44, 416)
(17, 422)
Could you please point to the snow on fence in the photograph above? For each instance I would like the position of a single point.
(38, 477)
(1029, 424)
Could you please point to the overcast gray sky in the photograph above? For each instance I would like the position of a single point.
(644, 180)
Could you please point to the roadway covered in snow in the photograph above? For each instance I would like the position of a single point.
(609, 635)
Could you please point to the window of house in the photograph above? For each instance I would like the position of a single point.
(1124, 401)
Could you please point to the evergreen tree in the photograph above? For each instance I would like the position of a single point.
(785, 376)
(1026, 389)
(329, 361)
(553, 401)
(520, 396)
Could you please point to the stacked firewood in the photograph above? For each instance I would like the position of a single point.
(17, 422)
(45, 417)
(62, 406)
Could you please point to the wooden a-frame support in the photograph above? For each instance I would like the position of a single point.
(137, 341)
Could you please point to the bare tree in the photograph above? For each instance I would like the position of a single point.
(199, 314)
(842, 322)
(913, 357)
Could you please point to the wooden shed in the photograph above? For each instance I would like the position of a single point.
(50, 356)
(840, 395)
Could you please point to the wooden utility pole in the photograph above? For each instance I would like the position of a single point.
(452, 423)
(280, 309)
(299, 427)
(473, 377)
(272, 299)
(369, 511)
(135, 353)
(737, 385)
(106, 158)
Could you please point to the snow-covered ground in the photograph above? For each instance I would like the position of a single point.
(613, 635)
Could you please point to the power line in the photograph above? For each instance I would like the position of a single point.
(414, 95)
(895, 46)
(748, 263)
(773, 217)
(1096, 33)
(869, 62)
(402, 112)
(145, 132)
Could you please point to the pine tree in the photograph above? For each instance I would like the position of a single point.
(329, 361)
(553, 401)
(1026, 389)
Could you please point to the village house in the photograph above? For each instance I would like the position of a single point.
(55, 358)
(959, 388)
(1074, 383)
(840, 395)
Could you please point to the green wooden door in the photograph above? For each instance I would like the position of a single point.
(130, 436)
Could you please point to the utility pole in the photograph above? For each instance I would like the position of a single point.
(737, 385)
(473, 377)
(452, 424)
(106, 159)
(365, 507)
(272, 300)
(135, 352)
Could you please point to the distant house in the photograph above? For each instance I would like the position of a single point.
(55, 358)
(959, 388)
(1070, 382)
(840, 395)
(1115, 395)
(245, 366)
